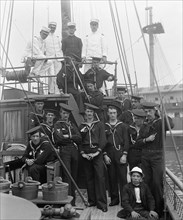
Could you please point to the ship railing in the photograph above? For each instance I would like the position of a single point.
(174, 195)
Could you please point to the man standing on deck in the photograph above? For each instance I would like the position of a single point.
(38, 50)
(94, 45)
(115, 153)
(72, 45)
(67, 139)
(53, 50)
(152, 153)
(38, 115)
(93, 142)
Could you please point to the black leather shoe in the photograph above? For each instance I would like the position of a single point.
(103, 209)
(113, 203)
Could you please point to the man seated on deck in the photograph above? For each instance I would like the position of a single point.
(38, 115)
(36, 49)
(37, 154)
(69, 81)
(138, 202)
(98, 74)
(53, 49)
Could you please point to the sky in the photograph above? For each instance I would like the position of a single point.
(168, 65)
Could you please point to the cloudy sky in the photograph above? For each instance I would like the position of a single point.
(168, 49)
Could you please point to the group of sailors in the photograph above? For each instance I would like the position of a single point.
(47, 51)
(130, 135)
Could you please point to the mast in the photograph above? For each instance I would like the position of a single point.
(65, 16)
(152, 29)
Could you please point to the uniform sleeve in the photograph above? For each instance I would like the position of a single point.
(97, 100)
(60, 79)
(37, 52)
(76, 136)
(150, 199)
(104, 46)
(64, 46)
(85, 45)
(102, 137)
(170, 122)
(57, 134)
(32, 121)
(26, 154)
(126, 138)
(45, 156)
(126, 199)
(80, 46)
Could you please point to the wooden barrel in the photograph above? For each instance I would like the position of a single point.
(4, 185)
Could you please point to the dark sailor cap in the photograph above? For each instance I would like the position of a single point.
(116, 105)
(90, 106)
(88, 80)
(51, 111)
(121, 88)
(65, 107)
(148, 105)
(39, 99)
(139, 113)
(33, 130)
(136, 97)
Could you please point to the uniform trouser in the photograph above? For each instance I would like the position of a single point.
(52, 85)
(117, 179)
(134, 158)
(95, 181)
(69, 155)
(37, 172)
(152, 166)
(41, 67)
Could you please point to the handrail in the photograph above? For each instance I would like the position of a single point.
(174, 179)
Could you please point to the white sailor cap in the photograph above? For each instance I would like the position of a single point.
(94, 20)
(46, 30)
(52, 23)
(71, 24)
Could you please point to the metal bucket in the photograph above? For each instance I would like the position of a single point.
(4, 185)
(55, 190)
(27, 190)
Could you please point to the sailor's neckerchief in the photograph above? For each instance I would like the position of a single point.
(89, 128)
(137, 130)
(68, 125)
(50, 129)
(34, 150)
(113, 130)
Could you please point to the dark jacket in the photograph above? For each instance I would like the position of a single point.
(93, 137)
(117, 138)
(72, 45)
(48, 131)
(154, 127)
(61, 128)
(97, 75)
(41, 153)
(129, 199)
(96, 98)
(35, 119)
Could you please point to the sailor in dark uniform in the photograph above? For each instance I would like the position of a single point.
(68, 82)
(67, 137)
(97, 74)
(37, 154)
(115, 153)
(38, 116)
(135, 151)
(72, 45)
(93, 142)
(94, 97)
(152, 153)
(48, 125)
(122, 98)
(127, 116)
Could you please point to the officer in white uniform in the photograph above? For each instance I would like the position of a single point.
(36, 49)
(53, 49)
(94, 45)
